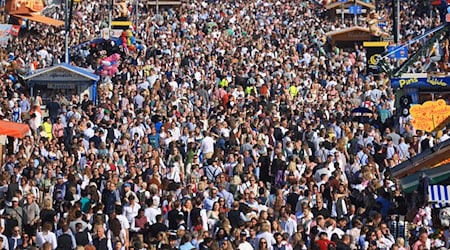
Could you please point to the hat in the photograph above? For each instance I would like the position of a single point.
(127, 184)
(15, 199)
(361, 126)
(244, 233)
(59, 176)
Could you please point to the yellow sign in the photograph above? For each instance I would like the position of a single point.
(373, 59)
(430, 116)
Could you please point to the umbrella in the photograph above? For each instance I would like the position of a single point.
(361, 114)
(361, 111)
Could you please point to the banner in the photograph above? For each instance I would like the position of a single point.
(441, 82)
(373, 51)
(430, 116)
(4, 34)
(15, 29)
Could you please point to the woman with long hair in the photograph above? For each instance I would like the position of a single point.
(117, 234)
(263, 244)
(213, 216)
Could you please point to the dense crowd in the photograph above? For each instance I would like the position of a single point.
(229, 127)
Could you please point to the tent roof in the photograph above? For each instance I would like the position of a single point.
(40, 19)
(77, 70)
(347, 30)
(13, 129)
(349, 3)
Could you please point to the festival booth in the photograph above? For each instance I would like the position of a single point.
(422, 87)
(63, 79)
(335, 9)
(11, 129)
(434, 162)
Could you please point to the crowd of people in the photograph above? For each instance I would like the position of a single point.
(229, 127)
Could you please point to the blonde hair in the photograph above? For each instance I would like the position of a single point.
(48, 203)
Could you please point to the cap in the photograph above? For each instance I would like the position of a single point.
(244, 233)
(59, 176)
(15, 199)
(127, 184)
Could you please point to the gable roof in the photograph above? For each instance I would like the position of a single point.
(347, 30)
(350, 3)
(77, 70)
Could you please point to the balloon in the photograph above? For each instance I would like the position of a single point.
(448, 9)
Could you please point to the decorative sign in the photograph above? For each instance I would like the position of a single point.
(15, 29)
(4, 34)
(430, 116)
(34, 5)
(61, 86)
(60, 75)
(373, 51)
(355, 9)
(399, 52)
(430, 81)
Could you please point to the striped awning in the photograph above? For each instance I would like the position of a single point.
(439, 196)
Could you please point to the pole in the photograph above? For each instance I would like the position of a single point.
(398, 21)
(342, 12)
(157, 7)
(396, 17)
(356, 17)
(137, 14)
(66, 34)
(111, 4)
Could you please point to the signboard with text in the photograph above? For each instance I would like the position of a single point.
(415, 82)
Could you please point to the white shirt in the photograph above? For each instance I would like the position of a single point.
(207, 145)
(49, 237)
(123, 221)
(131, 211)
(151, 213)
(245, 246)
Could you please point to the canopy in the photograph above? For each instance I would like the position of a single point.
(13, 129)
(40, 19)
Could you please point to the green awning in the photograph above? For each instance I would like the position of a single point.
(436, 175)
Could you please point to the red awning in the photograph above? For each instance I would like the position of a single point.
(13, 129)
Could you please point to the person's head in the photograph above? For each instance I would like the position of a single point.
(79, 227)
(15, 201)
(16, 231)
(278, 238)
(263, 244)
(323, 235)
(423, 237)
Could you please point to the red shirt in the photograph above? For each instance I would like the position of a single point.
(323, 244)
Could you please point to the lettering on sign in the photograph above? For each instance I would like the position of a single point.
(436, 82)
(405, 82)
